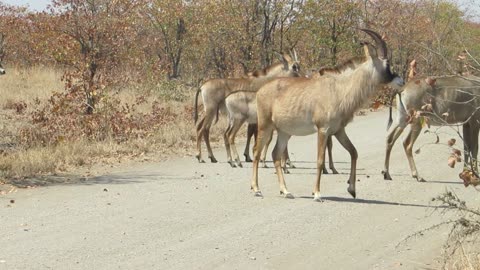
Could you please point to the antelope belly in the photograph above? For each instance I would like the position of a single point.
(297, 127)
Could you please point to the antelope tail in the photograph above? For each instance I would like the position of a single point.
(195, 115)
(390, 118)
(216, 116)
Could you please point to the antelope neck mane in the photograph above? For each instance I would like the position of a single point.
(263, 72)
(339, 69)
(354, 85)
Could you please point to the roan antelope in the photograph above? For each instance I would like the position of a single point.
(453, 99)
(215, 91)
(324, 105)
(241, 108)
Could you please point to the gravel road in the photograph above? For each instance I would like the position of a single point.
(180, 214)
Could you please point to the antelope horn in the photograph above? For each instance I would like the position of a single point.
(282, 58)
(378, 41)
(295, 57)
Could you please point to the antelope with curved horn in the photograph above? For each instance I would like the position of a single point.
(324, 105)
(452, 100)
(215, 91)
(241, 108)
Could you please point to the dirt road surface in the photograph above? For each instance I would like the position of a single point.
(180, 214)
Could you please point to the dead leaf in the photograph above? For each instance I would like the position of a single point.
(469, 178)
(475, 181)
(457, 152)
(451, 161)
(426, 121)
(451, 142)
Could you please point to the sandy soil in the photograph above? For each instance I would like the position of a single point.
(180, 214)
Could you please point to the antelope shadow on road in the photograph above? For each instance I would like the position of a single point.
(121, 179)
(366, 201)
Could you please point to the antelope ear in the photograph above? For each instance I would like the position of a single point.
(413, 70)
(283, 58)
(430, 81)
(294, 55)
(370, 52)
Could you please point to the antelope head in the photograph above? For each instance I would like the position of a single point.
(291, 64)
(380, 60)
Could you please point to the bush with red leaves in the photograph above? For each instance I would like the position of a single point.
(63, 118)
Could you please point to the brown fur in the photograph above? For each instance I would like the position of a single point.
(263, 72)
(323, 105)
(455, 95)
(349, 64)
(215, 91)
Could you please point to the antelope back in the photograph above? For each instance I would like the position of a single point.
(453, 98)
(289, 66)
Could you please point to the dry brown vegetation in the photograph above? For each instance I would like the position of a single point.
(98, 82)
(121, 74)
(118, 76)
(461, 249)
(28, 149)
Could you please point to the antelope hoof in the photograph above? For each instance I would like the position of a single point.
(324, 171)
(352, 192)
(317, 198)
(239, 163)
(334, 171)
(286, 171)
(287, 195)
(247, 158)
(258, 194)
(232, 164)
(386, 175)
(420, 179)
(200, 160)
(213, 159)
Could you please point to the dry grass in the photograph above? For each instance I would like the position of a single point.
(466, 258)
(24, 86)
(460, 250)
(172, 139)
(28, 84)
